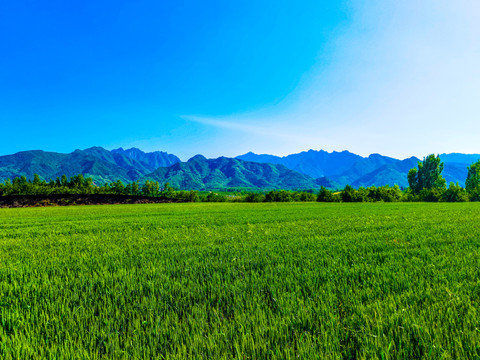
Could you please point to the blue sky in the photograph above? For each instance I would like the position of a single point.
(225, 77)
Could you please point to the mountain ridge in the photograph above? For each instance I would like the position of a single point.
(309, 169)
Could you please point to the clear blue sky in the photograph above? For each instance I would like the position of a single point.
(225, 77)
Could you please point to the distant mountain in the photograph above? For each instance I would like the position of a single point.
(49, 165)
(96, 162)
(313, 163)
(460, 158)
(393, 173)
(305, 170)
(455, 172)
(362, 168)
(152, 160)
(200, 173)
(337, 169)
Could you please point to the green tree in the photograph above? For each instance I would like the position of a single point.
(118, 187)
(64, 180)
(349, 194)
(278, 196)
(135, 188)
(455, 193)
(325, 195)
(472, 183)
(428, 176)
(168, 191)
(254, 197)
(36, 179)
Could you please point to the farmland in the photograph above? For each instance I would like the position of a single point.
(246, 281)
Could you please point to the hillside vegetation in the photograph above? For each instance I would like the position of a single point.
(306, 170)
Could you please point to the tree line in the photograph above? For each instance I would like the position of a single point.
(426, 183)
(78, 184)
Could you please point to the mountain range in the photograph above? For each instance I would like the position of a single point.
(96, 162)
(305, 170)
(342, 168)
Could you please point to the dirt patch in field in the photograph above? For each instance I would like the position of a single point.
(16, 201)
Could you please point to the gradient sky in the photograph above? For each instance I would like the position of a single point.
(399, 78)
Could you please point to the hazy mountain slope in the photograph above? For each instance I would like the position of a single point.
(363, 167)
(460, 158)
(151, 160)
(313, 163)
(397, 173)
(200, 173)
(455, 172)
(392, 174)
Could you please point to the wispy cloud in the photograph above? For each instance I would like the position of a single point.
(403, 83)
(236, 124)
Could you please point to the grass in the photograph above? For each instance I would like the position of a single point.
(245, 281)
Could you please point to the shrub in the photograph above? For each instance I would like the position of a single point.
(303, 196)
(455, 193)
(214, 197)
(278, 196)
(255, 198)
(349, 194)
(325, 195)
(431, 195)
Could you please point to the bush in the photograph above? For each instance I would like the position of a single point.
(325, 195)
(474, 194)
(455, 193)
(432, 195)
(190, 196)
(303, 196)
(409, 196)
(349, 194)
(278, 196)
(384, 193)
(254, 198)
(214, 197)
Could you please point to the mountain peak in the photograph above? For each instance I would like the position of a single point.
(152, 160)
(197, 157)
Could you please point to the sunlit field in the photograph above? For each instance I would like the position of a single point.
(246, 281)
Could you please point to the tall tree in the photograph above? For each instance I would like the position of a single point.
(428, 175)
(473, 177)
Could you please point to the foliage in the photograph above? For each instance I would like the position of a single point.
(325, 195)
(384, 193)
(304, 196)
(78, 184)
(455, 193)
(278, 196)
(214, 197)
(431, 195)
(231, 281)
(473, 177)
(472, 183)
(349, 194)
(474, 195)
(254, 197)
(428, 176)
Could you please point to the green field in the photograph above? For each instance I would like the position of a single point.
(246, 281)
